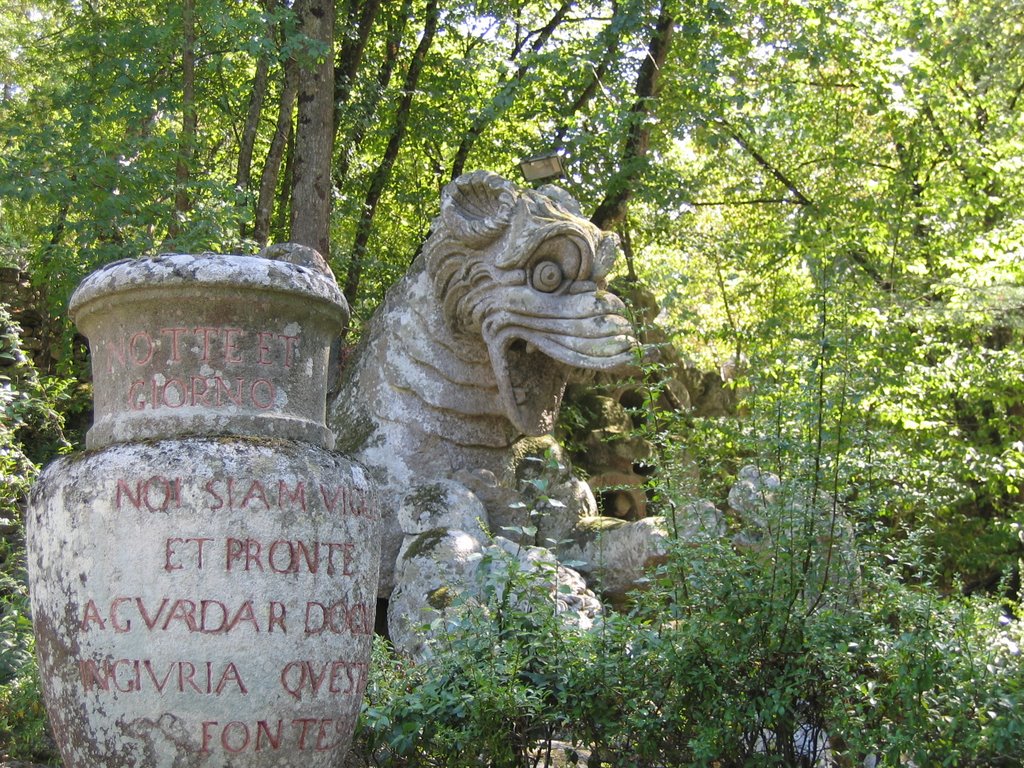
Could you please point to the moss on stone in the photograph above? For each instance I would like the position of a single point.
(355, 435)
(589, 528)
(431, 497)
(425, 542)
(440, 598)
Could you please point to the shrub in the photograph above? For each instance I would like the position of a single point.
(726, 659)
(30, 431)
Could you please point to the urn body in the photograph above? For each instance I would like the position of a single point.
(203, 577)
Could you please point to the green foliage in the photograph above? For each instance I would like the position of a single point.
(722, 661)
(30, 431)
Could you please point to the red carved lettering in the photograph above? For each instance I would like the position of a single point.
(91, 615)
(143, 358)
(276, 617)
(130, 681)
(168, 552)
(150, 622)
(230, 674)
(255, 491)
(115, 353)
(303, 723)
(158, 684)
(338, 618)
(295, 496)
(322, 744)
(245, 614)
(273, 558)
(307, 734)
(123, 487)
(240, 742)
(290, 343)
(205, 748)
(209, 488)
(180, 399)
(175, 334)
(263, 729)
(89, 671)
(264, 347)
(184, 611)
(341, 677)
(201, 396)
(331, 501)
(169, 491)
(205, 355)
(250, 549)
(115, 621)
(346, 549)
(206, 622)
(187, 674)
(231, 352)
(136, 395)
(235, 397)
(267, 399)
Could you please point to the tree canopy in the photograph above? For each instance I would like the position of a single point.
(828, 189)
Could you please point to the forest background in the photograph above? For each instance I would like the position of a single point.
(826, 196)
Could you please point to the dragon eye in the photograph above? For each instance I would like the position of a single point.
(547, 276)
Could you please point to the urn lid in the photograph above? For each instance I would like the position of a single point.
(310, 279)
(211, 344)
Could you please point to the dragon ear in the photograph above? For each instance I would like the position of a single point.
(477, 207)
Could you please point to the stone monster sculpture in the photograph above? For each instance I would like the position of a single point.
(470, 351)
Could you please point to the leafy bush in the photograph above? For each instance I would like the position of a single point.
(30, 431)
(724, 660)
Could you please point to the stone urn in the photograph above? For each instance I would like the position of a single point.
(203, 576)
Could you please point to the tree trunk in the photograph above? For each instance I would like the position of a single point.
(503, 99)
(272, 166)
(610, 38)
(383, 171)
(258, 94)
(314, 133)
(189, 120)
(612, 209)
(356, 134)
(361, 17)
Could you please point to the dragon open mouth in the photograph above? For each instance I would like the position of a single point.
(531, 365)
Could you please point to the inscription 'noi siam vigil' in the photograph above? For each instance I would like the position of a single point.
(204, 579)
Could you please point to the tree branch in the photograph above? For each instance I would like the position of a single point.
(760, 159)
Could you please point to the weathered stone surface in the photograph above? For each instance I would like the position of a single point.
(433, 569)
(768, 510)
(472, 348)
(616, 553)
(444, 569)
(697, 521)
(199, 601)
(752, 493)
(205, 600)
(540, 579)
(442, 504)
(209, 344)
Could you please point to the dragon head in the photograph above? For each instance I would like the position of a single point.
(523, 272)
